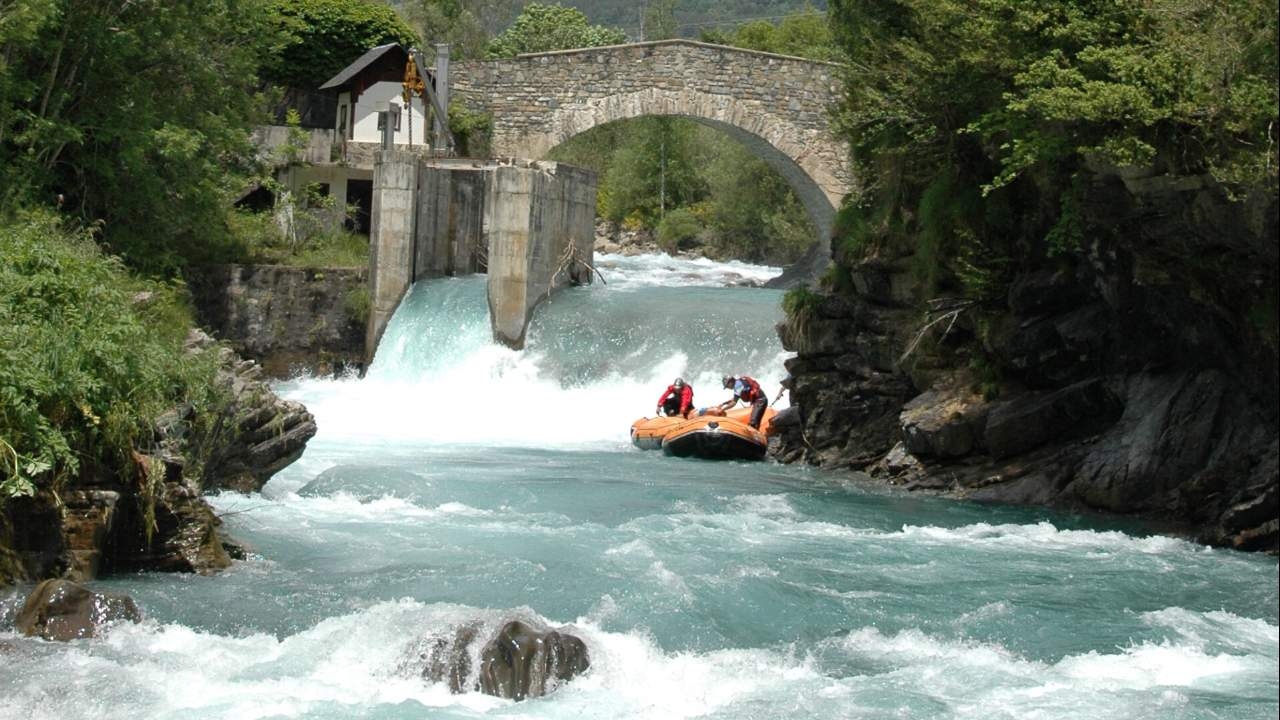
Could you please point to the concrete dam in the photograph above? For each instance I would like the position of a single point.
(530, 225)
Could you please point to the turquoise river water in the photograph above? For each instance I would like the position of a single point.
(460, 481)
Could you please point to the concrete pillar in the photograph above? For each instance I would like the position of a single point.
(391, 239)
(510, 297)
(536, 212)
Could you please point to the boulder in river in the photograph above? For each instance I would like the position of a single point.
(522, 660)
(63, 610)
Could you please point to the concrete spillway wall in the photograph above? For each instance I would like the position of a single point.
(543, 228)
(529, 224)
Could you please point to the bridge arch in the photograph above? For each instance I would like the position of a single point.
(775, 105)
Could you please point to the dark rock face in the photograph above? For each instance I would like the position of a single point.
(152, 515)
(523, 662)
(520, 661)
(62, 610)
(1133, 381)
(845, 390)
(257, 434)
(285, 318)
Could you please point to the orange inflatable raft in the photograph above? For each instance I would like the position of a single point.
(711, 436)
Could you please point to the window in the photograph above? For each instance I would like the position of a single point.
(382, 119)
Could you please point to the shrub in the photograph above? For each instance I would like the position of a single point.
(801, 306)
(89, 357)
(357, 304)
(678, 227)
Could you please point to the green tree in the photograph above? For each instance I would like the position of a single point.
(324, 36)
(754, 213)
(660, 20)
(466, 25)
(542, 28)
(804, 34)
(655, 169)
(134, 114)
(1017, 97)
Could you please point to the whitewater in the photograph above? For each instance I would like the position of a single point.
(460, 481)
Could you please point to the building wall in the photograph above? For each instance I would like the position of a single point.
(374, 100)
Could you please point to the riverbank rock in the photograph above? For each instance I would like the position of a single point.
(151, 514)
(257, 433)
(521, 660)
(613, 239)
(944, 424)
(287, 319)
(62, 610)
(1133, 379)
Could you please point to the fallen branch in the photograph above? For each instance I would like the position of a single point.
(568, 259)
(952, 313)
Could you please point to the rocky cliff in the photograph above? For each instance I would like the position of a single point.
(286, 319)
(1137, 375)
(151, 514)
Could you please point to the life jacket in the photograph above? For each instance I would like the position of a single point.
(686, 396)
(747, 389)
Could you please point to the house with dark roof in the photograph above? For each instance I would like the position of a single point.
(366, 88)
(337, 161)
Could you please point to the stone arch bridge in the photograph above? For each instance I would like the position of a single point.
(776, 105)
(529, 223)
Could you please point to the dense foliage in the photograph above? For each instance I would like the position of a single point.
(542, 28)
(321, 37)
(961, 111)
(466, 25)
(89, 356)
(691, 17)
(133, 116)
(804, 34)
(653, 167)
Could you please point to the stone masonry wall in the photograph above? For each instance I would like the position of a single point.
(776, 105)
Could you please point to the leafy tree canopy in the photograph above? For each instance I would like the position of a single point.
(660, 20)
(324, 36)
(466, 25)
(135, 115)
(973, 121)
(804, 34)
(1188, 85)
(542, 28)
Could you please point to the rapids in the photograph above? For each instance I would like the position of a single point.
(460, 481)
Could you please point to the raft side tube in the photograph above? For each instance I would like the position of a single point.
(716, 438)
(647, 433)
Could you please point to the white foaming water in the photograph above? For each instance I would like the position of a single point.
(985, 680)
(629, 272)
(367, 659)
(438, 378)
(1045, 535)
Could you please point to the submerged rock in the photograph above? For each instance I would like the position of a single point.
(62, 610)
